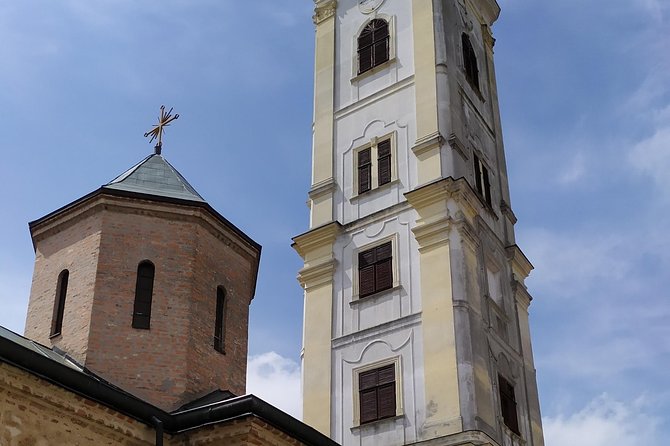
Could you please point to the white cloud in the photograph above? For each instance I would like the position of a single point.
(276, 380)
(604, 422)
(651, 156)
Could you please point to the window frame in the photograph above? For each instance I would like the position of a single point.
(373, 145)
(59, 303)
(469, 58)
(355, 74)
(399, 409)
(138, 319)
(505, 408)
(395, 276)
(482, 175)
(220, 320)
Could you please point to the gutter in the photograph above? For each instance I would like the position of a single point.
(94, 388)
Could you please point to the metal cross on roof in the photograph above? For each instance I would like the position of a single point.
(164, 120)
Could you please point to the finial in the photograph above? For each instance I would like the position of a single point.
(164, 120)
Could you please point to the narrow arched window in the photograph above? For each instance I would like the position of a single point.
(220, 322)
(373, 45)
(470, 62)
(144, 288)
(59, 303)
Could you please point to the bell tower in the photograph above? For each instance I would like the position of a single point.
(416, 313)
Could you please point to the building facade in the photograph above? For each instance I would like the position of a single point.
(416, 313)
(136, 331)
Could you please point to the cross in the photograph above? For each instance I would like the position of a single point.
(164, 120)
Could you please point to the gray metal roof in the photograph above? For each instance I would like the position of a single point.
(155, 176)
(60, 358)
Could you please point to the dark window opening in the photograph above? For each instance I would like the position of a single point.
(59, 303)
(364, 170)
(375, 270)
(220, 323)
(482, 182)
(376, 391)
(470, 62)
(384, 162)
(508, 405)
(373, 45)
(144, 288)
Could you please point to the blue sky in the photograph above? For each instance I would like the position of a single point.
(585, 99)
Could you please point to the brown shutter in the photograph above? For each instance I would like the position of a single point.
(384, 161)
(384, 251)
(386, 401)
(366, 281)
(381, 52)
(383, 275)
(364, 170)
(508, 405)
(368, 405)
(365, 59)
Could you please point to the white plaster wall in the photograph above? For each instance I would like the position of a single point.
(399, 339)
(350, 21)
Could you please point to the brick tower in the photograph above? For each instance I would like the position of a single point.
(416, 311)
(146, 285)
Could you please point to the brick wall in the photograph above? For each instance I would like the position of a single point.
(174, 362)
(34, 412)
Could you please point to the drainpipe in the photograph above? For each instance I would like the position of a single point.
(158, 424)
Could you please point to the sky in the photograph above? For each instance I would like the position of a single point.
(584, 90)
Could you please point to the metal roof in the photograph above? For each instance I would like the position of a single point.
(56, 356)
(155, 176)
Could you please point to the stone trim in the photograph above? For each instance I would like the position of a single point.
(324, 10)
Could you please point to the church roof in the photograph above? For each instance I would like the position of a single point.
(155, 176)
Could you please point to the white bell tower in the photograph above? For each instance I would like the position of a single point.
(416, 314)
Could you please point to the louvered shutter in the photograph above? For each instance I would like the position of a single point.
(368, 405)
(364, 170)
(366, 272)
(386, 401)
(381, 42)
(365, 59)
(143, 296)
(383, 275)
(384, 162)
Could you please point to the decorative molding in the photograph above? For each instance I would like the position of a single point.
(507, 211)
(427, 143)
(456, 144)
(322, 188)
(487, 34)
(432, 235)
(521, 266)
(369, 6)
(324, 10)
(315, 276)
(377, 330)
(323, 236)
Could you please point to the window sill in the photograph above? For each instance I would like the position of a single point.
(358, 77)
(56, 335)
(357, 299)
(358, 427)
(357, 196)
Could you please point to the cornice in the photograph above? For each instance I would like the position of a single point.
(458, 146)
(317, 238)
(427, 143)
(323, 188)
(519, 261)
(317, 275)
(521, 294)
(324, 10)
(507, 212)
(432, 234)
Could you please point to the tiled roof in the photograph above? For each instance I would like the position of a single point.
(155, 176)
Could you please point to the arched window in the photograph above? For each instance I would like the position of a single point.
(373, 45)
(59, 303)
(220, 323)
(470, 62)
(144, 288)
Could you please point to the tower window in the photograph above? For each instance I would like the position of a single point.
(59, 303)
(375, 269)
(482, 182)
(377, 393)
(373, 45)
(508, 404)
(374, 165)
(470, 62)
(220, 323)
(144, 288)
